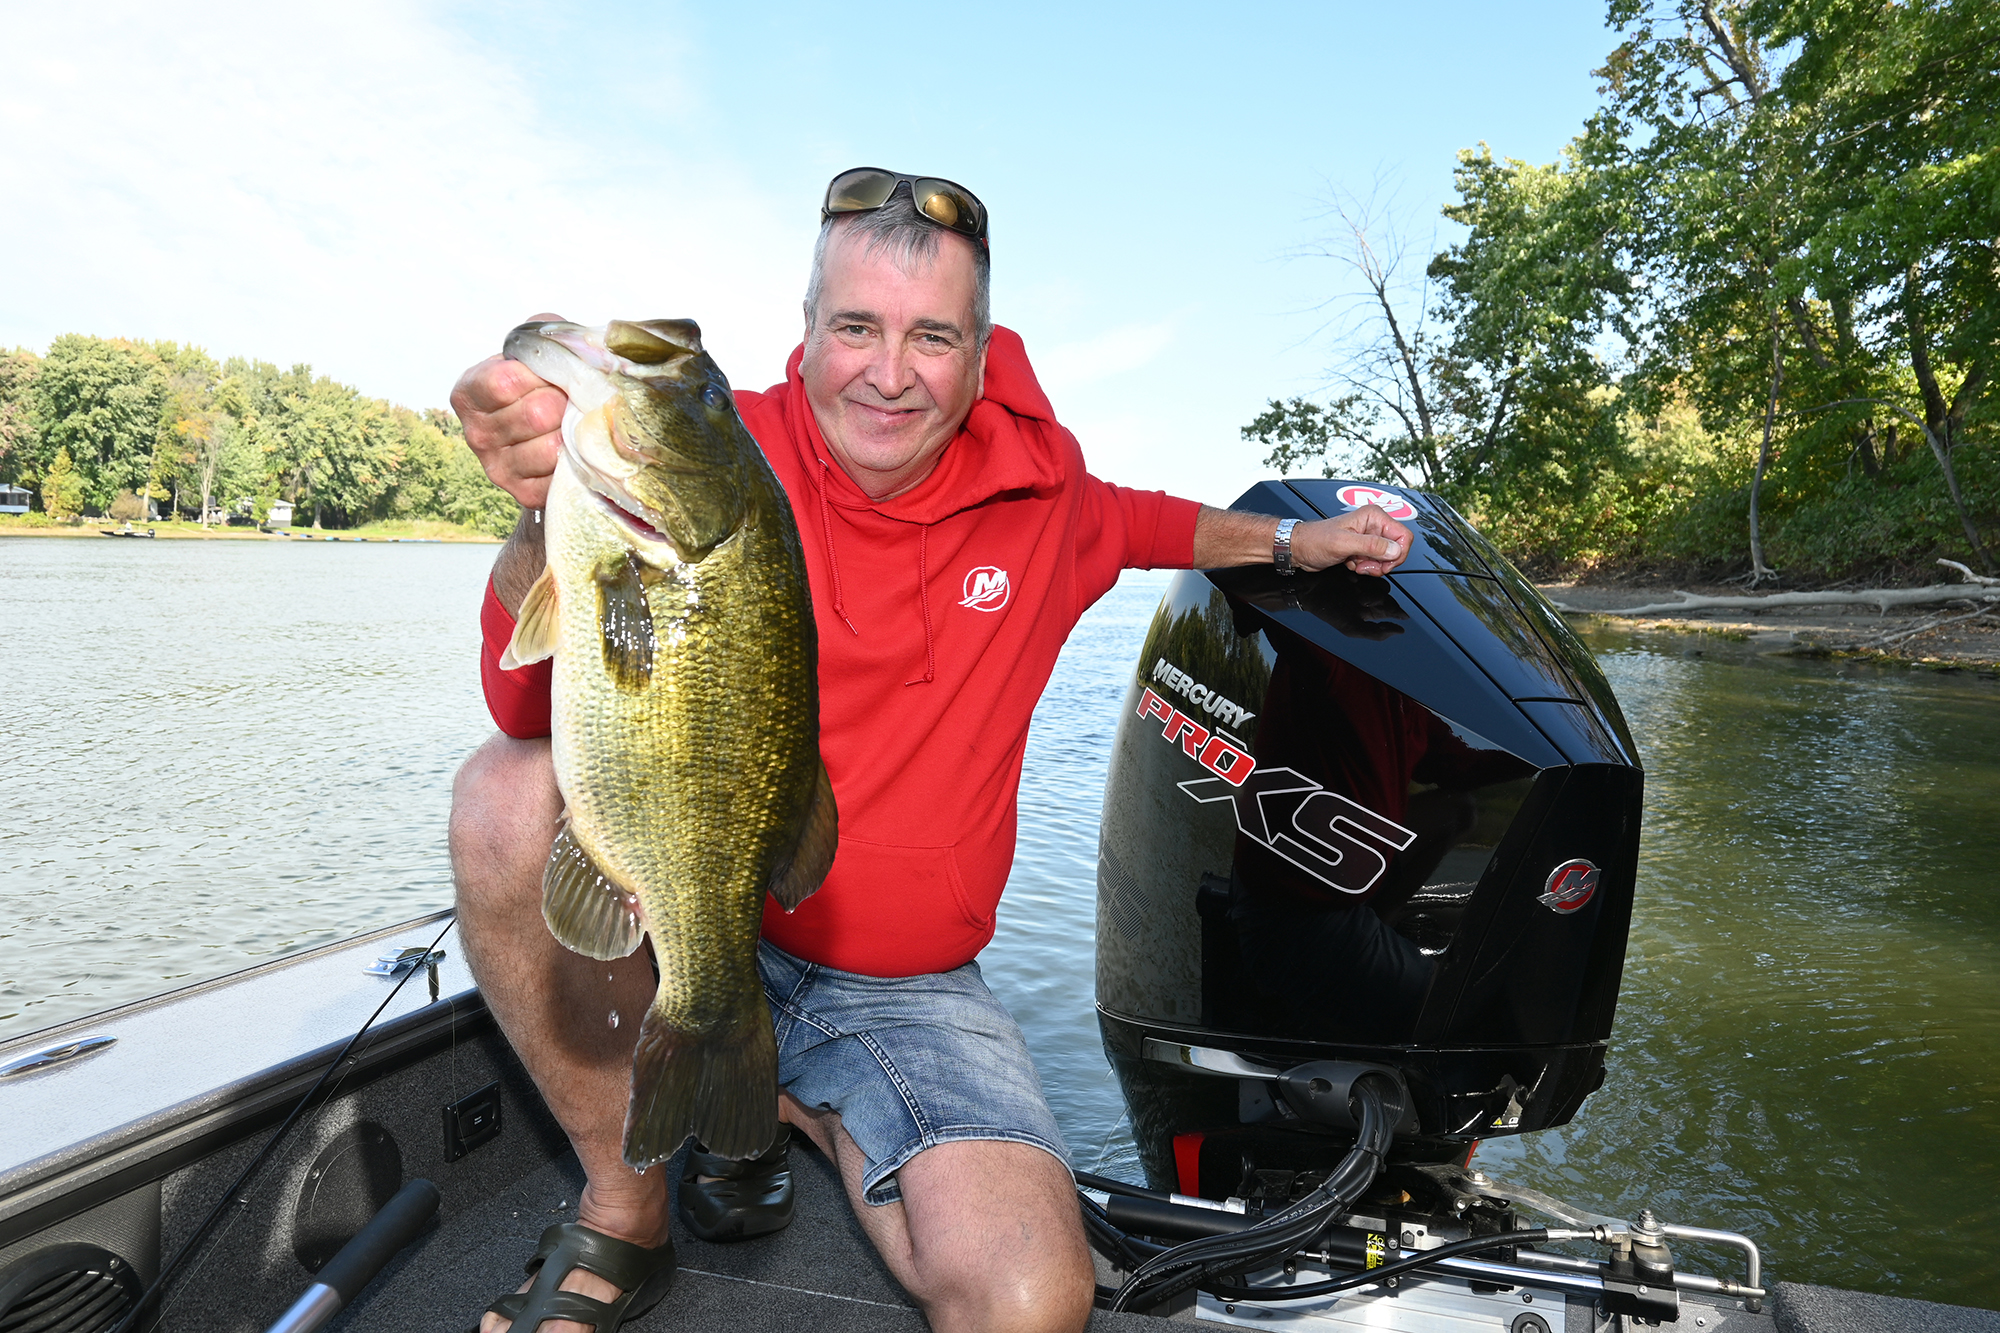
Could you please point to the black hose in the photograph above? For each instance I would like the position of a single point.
(1107, 1185)
(1456, 1248)
(1273, 1240)
(1128, 1252)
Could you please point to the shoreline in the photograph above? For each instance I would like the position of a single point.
(193, 532)
(1860, 633)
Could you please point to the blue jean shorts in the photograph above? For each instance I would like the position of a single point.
(907, 1062)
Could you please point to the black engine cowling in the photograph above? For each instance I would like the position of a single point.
(1392, 821)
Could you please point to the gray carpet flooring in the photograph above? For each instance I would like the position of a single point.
(819, 1275)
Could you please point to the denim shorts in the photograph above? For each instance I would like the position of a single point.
(907, 1062)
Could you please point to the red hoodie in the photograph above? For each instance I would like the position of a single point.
(940, 615)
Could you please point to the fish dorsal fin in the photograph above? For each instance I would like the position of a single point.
(625, 622)
(819, 837)
(535, 626)
(585, 910)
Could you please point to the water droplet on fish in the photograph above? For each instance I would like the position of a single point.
(614, 1018)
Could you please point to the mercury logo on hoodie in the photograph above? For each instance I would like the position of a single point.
(986, 589)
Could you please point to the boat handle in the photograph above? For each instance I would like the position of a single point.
(50, 1056)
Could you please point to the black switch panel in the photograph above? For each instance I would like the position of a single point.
(470, 1121)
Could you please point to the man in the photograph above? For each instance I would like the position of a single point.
(952, 539)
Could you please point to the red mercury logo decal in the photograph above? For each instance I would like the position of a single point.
(1570, 886)
(1390, 503)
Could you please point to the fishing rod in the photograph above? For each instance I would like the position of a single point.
(233, 1196)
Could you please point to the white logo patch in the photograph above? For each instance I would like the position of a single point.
(986, 589)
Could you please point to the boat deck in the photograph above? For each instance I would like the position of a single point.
(818, 1274)
(822, 1275)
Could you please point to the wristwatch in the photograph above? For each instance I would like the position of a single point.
(1281, 546)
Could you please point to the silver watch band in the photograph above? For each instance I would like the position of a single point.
(1281, 546)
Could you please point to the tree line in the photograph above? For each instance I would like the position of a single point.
(97, 419)
(1748, 319)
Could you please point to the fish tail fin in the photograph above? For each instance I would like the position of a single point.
(720, 1086)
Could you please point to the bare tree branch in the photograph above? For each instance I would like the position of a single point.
(1733, 52)
(1802, 320)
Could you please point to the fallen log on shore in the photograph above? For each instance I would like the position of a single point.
(1975, 589)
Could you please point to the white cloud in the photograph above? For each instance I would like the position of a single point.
(362, 188)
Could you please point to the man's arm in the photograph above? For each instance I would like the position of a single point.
(520, 562)
(1366, 540)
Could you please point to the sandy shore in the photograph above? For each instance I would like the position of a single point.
(1857, 631)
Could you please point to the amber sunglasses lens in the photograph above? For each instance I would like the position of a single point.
(860, 190)
(949, 205)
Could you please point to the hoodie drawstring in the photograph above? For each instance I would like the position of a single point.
(924, 600)
(832, 563)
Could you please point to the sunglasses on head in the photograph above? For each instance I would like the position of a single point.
(947, 203)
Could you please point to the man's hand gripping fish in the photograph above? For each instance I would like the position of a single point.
(686, 713)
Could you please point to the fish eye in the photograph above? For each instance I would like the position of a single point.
(714, 396)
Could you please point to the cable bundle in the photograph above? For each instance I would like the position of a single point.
(1167, 1273)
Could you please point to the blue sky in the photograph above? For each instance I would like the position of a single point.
(382, 190)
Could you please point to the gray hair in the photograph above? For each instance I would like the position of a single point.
(911, 240)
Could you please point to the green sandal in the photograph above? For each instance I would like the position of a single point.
(643, 1275)
(749, 1197)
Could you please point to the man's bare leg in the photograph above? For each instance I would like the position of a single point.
(554, 1006)
(988, 1236)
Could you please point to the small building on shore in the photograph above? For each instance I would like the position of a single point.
(279, 515)
(14, 499)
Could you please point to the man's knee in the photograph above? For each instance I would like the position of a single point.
(504, 811)
(998, 1237)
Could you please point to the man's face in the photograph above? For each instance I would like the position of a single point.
(892, 364)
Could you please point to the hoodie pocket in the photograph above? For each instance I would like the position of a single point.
(923, 881)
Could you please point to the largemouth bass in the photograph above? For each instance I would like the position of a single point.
(686, 713)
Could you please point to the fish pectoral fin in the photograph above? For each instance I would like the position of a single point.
(535, 626)
(585, 910)
(625, 622)
(819, 837)
(719, 1084)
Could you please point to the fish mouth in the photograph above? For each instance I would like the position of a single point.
(636, 517)
(642, 522)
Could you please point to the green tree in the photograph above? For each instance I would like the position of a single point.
(1761, 281)
(62, 488)
(164, 420)
(1495, 395)
(466, 495)
(1814, 212)
(100, 400)
(20, 452)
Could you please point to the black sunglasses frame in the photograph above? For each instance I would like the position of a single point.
(975, 232)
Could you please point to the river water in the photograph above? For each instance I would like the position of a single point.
(219, 752)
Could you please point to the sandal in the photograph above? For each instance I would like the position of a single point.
(643, 1275)
(747, 1197)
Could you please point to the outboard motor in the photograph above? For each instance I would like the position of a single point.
(1360, 823)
